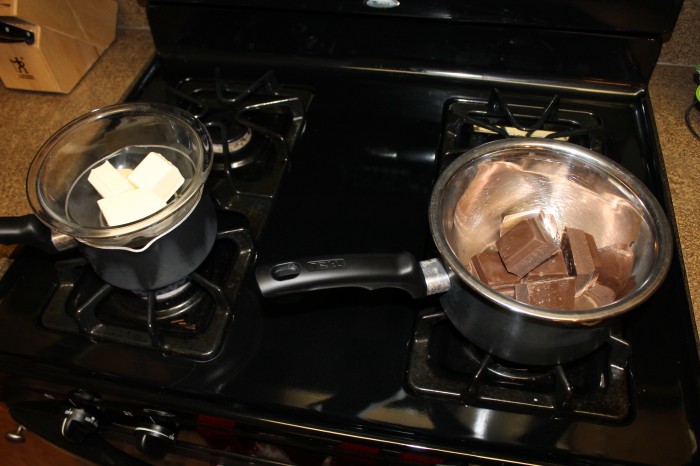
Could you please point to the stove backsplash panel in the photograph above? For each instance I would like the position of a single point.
(217, 34)
(645, 17)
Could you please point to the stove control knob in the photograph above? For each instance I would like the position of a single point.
(155, 440)
(16, 436)
(77, 423)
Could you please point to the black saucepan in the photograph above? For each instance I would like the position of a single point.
(146, 254)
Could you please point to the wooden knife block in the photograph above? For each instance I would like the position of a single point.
(69, 37)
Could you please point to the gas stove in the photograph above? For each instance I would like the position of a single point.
(330, 124)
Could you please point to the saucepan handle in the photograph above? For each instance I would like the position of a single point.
(26, 229)
(370, 271)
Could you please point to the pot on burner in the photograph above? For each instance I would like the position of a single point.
(577, 187)
(146, 254)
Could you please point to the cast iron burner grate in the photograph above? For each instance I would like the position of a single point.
(472, 122)
(444, 365)
(254, 128)
(188, 318)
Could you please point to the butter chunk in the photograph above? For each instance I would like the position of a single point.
(156, 174)
(108, 181)
(130, 206)
(125, 172)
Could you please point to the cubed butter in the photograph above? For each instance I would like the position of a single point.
(125, 172)
(108, 181)
(156, 174)
(130, 206)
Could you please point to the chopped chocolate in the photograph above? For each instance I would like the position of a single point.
(584, 302)
(582, 259)
(525, 246)
(490, 269)
(506, 290)
(547, 221)
(602, 294)
(527, 264)
(554, 267)
(596, 296)
(556, 293)
(616, 263)
(510, 220)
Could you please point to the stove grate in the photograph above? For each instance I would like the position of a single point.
(444, 365)
(472, 122)
(191, 322)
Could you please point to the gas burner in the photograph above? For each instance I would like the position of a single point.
(234, 144)
(166, 292)
(236, 109)
(188, 318)
(227, 134)
(236, 147)
(254, 127)
(444, 365)
(171, 291)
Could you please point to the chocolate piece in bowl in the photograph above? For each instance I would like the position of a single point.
(506, 290)
(582, 259)
(489, 268)
(616, 263)
(547, 221)
(554, 267)
(525, 246)
(596, 296)
(556, 293)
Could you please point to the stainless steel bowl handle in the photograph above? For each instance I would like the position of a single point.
(370, 271)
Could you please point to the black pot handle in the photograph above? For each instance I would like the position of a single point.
(26, 229)
(370, 271)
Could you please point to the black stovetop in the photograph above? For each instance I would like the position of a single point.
(358, 179)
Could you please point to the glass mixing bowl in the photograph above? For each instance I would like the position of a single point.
(64, 200)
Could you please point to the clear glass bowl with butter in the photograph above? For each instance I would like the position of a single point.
(65, 200)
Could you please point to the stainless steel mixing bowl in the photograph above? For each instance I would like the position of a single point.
(578, 187)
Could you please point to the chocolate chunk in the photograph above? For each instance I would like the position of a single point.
(525, 246)
(616, 263)
(506, 290)
(554, 267)
(582, 259)
(596, 296)
(584, 302)
(548, 221)
(551, 294)
(602, 294)
(490, 269)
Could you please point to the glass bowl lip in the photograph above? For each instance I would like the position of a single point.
(57, 221)
(548, 148)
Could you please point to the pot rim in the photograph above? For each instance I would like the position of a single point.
(141, 231)
(644, 290)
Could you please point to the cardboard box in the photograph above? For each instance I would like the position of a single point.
(69, 37)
